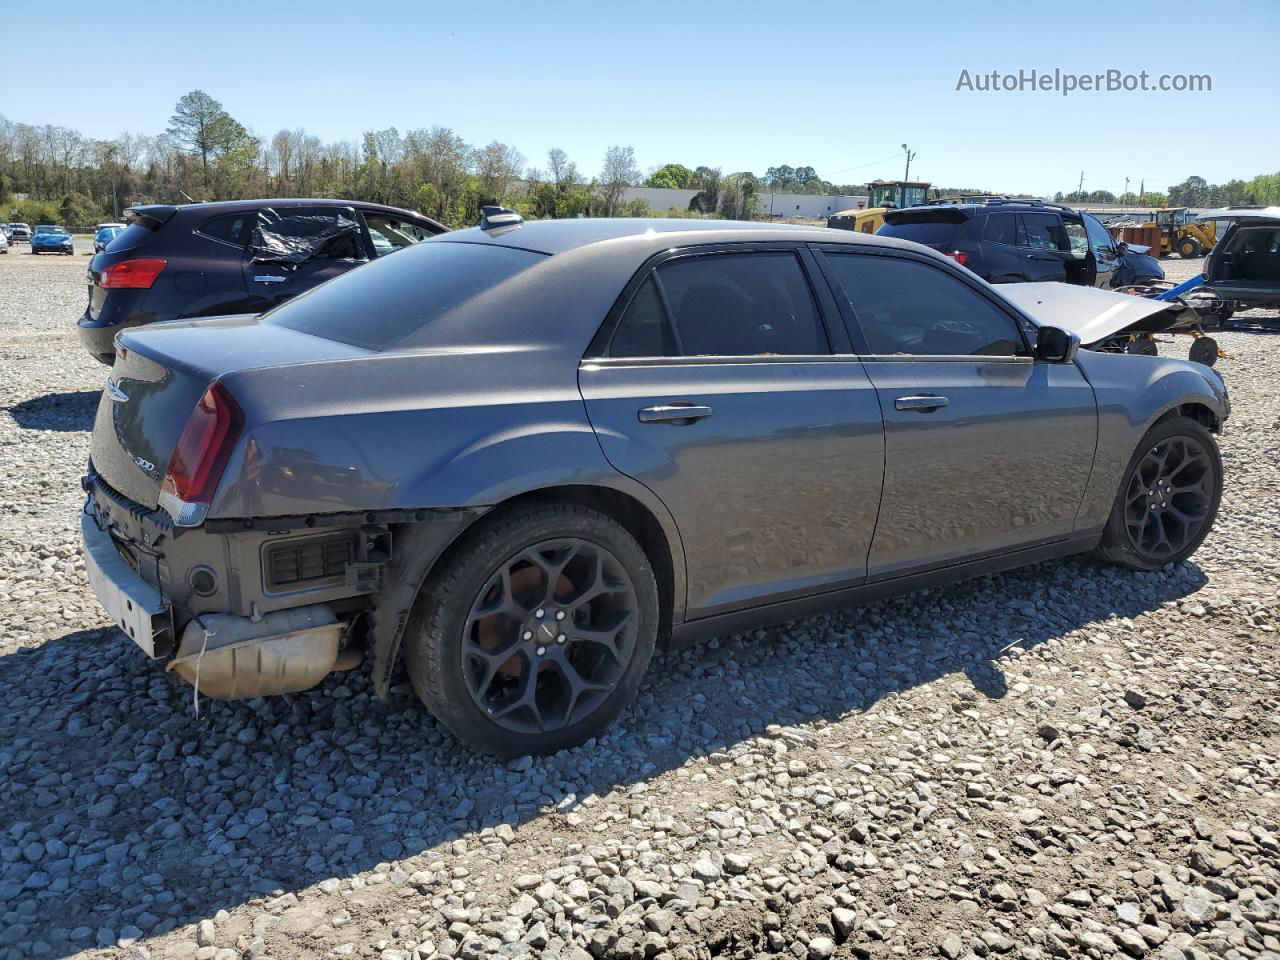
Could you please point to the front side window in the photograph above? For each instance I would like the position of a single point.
(1099, 235)
(1044, 232)
(909, 307)
(298, 234)
(1077, 237)
(733, 305)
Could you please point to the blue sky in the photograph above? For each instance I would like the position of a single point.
(835, 85)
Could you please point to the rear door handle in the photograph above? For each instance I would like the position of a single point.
(920, 403)
(678, 413)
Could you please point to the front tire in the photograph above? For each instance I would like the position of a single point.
(535, 632)
(1168, 499)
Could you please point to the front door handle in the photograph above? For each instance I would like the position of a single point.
(678, 413)
(920, 403)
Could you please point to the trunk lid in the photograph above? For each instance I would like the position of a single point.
(159, 375)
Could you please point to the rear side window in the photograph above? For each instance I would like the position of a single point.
(233, 228)
(1045, 232)
(940, 230)
(385, 301)
(1002, 228)
(731, 305)
(907, 307)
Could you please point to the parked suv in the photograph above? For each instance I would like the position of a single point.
(1012, 241)
(241, 256)
(1244, 266)
(19, 231)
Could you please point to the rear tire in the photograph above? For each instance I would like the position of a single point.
(1168, 499)
(475, 645)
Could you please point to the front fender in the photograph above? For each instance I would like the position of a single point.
(1132, 393)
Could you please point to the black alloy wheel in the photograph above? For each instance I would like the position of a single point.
(550, 635)
(533, 633)
(1170, 497)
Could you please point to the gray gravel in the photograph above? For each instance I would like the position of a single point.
(1067, 761)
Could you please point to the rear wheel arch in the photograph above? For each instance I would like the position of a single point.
(634, 516)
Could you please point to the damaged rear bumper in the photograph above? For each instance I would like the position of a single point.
(133, 605)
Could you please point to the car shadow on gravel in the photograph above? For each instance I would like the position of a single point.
(67, 412)
(122, 807)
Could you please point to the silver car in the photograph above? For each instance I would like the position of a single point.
(523, 456)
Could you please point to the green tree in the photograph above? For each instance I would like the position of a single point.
(740, 196)
(706, 180)
(203, 129)
(618, 172)
(1153, 199)
(77, 210)
(673, 176)
(1191, 192)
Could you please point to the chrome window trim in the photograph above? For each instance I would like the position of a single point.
(595, 363)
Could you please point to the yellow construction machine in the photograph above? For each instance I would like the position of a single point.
(882, 195)
(1182, 234)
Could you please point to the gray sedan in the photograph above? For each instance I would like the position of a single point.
(523, 456)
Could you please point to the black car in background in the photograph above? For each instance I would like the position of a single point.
(241, 256)
(1243, 269)
(1014, 241)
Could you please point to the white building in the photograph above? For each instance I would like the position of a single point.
(808, 206)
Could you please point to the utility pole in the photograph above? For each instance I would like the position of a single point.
(1126, 188)
(1080, 189)
(910, 156)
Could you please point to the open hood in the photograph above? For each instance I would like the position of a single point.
(1090, 313)
(1254, 214)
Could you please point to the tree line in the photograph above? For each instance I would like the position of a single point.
(206, 154)
(1263, 189)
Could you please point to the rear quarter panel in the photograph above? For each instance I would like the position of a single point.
(1133, 392)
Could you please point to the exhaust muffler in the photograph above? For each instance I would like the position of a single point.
(228, 657)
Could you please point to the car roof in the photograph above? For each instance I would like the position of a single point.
(234, 206)
(560, 236)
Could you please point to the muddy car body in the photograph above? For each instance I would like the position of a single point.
(528, 454)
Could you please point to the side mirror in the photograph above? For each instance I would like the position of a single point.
(1055, 345)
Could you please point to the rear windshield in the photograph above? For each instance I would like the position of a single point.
(383, 302)
(135, 234)
(933, 231)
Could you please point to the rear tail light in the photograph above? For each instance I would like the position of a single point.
(196, 466)
(131, 274)
(960, 257)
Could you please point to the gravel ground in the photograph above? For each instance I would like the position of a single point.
(1069, 760)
